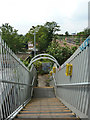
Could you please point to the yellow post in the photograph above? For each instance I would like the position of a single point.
(51, 73)
(68, 69)
(54, 69)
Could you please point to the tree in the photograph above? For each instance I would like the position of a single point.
(43, 41)
(52, 29)
(61, 53)
(11, 37)
(86, 32)
(66, 33)
(44, 34)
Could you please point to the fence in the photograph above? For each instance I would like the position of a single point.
(16, 83)
(74, 90)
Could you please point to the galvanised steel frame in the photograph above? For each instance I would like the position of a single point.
(39, 56)
(16, 83)
(74, 90)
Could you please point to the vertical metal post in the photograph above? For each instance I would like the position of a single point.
(89, 14)
(0, 57)
(1, 102)
(34, 43)
(88, 72)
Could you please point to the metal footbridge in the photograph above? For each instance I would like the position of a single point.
(67, 98)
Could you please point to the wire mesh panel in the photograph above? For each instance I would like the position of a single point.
(15, 82)
(75, 89)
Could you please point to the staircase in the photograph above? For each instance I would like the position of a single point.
(45, 106)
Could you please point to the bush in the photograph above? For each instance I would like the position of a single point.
(61, 53)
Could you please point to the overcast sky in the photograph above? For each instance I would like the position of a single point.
(71, 15)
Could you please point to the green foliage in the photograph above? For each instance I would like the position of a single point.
(59, 52)
(44, 34)
(65, 43)
(66, 33)
(26, 63)
(86, 32)
(38, 66)
(11, 37)
(73, 49)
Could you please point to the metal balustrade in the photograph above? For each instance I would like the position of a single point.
(16, 83)
(74, 90)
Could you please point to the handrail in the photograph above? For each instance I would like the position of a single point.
(43, 55)
(16, 82)
(43, 58)
(73, 84)
(77, 52)
(12, 54)
(12, 82)
(75, 89)
(21, 106)
(32, 85)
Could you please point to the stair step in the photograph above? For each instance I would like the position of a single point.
(73, 118)
(49, 111)
(45, 109)
(45, 106)
(46, 92)
(46, 115)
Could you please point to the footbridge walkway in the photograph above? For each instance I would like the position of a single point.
(67, 98)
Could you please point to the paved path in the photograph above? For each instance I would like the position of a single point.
(42, 80)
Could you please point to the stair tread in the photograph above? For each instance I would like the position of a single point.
(46, 115)
(52, 111)
(73, 118)
(49, 107)
(45, 109)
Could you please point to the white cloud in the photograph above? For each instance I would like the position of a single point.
(22, 14)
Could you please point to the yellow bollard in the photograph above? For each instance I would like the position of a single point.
(51, 72)
(54, 69)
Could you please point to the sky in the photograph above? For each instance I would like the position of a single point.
(71, 15)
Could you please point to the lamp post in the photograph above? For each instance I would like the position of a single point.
(34, 41)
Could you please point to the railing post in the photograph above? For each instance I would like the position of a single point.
(15, 83)
(88, 72)
(1, 113)
(74, 91)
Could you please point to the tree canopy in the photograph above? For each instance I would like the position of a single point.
(44, 34)
(11, 37)
(61, 53)
(45, 39)
(86, 32)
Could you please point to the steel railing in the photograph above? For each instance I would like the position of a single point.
(16, 83)
(75, 90)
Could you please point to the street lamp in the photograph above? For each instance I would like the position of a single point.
(34, 41)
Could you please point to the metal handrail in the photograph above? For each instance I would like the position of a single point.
(22, 106)
(16, 83)
(43, 55)
(75, 89)
(12, 82)
(73, 84)
(43, 58)
(14, 56)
